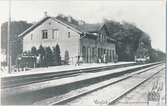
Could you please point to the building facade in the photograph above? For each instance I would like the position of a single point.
(89, 42)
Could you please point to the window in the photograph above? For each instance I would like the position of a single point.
(90, 52)
(87, 49)
(93, 52)
(108, 52)
(84, 51)
(98, 52)
(31, 36)
(113, 52)
(55, 34)
(44, 34)
(69, 35)
(101, 52)
(110, 55)
(104, 38)
(101, 37)
(49, 23)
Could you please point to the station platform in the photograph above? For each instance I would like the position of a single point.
(52, 69)
(65, 81)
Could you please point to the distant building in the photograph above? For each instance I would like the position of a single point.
(90, 42)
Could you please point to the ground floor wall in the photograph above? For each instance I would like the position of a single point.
(94, 52)
(71, 47)
(86, 50)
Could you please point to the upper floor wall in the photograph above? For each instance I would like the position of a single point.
(50, 33)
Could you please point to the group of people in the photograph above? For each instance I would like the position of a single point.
(103, 59)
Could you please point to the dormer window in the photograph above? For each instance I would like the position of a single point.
(44, 34)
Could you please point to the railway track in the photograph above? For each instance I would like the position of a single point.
(40, 94)
(86, 90)
(112, 94)
(133, 88)
(8, 82)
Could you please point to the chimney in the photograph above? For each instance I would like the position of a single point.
(69, 19)
(45, 14)
(80, 22)
(61, 15)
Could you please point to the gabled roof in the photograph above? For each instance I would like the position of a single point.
(71, 26)
(85, 28)
(43, 20)
(90, 27)
(33, 27)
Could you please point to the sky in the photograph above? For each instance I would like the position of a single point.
(146, 15)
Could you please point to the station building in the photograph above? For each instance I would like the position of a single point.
(91, 42)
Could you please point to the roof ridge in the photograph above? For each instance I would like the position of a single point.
(44, 19)
(33, 26)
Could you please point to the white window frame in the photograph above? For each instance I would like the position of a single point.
(55, 34)
(44, 34)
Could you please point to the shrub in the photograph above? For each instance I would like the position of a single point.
(66, 57)
(56, 55)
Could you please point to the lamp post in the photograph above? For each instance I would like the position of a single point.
(79, 48)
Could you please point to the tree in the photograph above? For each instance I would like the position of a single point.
(156, 55)
(49, 56)
(16, 28)
(34, 51)
(66, 57)
(65, 19)
(128, 38)
(57, 57)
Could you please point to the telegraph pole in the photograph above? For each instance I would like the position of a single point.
(8, 40)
